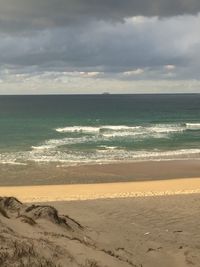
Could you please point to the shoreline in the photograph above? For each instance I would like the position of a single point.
(51, 174)
(53, 193)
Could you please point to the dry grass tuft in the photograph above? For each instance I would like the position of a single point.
(3, 212)
(27, 220)
(91, 263)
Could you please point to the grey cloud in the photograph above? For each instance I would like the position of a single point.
(107, 47)
(21, 15)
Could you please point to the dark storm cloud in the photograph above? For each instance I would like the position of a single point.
(25, 14)
(101, 46)
(99, 36)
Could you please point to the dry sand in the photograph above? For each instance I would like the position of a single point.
(141, 232)
(46, 193)
(140, 224)
(148, 231)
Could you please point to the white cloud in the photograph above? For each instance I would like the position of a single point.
(140, 19)
(133, 72)
(74, 83)
(90, 73)
(169, 67)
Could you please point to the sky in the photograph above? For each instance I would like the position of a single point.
(93, 46)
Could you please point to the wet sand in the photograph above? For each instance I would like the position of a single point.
(47, 174)
(150, 218)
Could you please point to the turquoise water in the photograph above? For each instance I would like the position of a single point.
(98, 128)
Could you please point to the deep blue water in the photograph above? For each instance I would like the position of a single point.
(99, 128)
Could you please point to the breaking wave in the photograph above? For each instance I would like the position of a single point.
(122, 130)
(74, 129)
(193, 126)
(107, 143)
(101, 155)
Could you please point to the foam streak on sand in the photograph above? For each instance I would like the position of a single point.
(99, 191)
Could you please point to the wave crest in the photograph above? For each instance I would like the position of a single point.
(193, 126)
(103, 155)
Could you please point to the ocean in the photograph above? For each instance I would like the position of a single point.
(87, 129)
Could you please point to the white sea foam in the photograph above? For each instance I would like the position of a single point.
(42, 148)
(130, 130)
(72, 129)
(166, 128)
(108, 132)
(111, 137)
(53, 143)
(117, 155)
(157, 131)
(193, 126)
(119, 127)
(95, 129)
(13, 163)
(123, 130)
(109, 147)
(97, 156)
(172, 153)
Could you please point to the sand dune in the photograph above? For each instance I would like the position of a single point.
(149, 231)
(140, 224)
(141, 232)
(37, 235)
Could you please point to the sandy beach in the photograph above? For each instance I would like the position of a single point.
(143, 231)
(99, 133)
(141, 223)
(48, 193)
(60, 173)
(148, 231)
